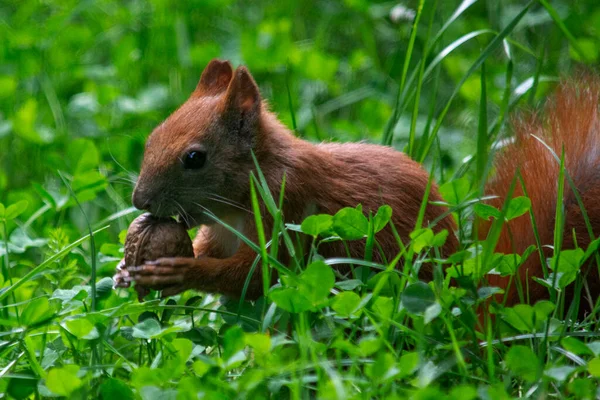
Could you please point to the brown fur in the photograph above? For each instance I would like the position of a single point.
(226, 117)
(571, 121)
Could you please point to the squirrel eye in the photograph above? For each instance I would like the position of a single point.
(194, 160)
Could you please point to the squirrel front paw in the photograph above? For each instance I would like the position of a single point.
(168, 274)
(121, 280)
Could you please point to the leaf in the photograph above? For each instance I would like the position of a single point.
(382, 307)
(23, 385)
(594, 367)
(316, 282)
(591, 250)
(575, 346)
(417, 298)
(19, 242)
(349, 284)
(63, 381)
(520, 317)
(88, 181)
(14, 210)
(84, 155)
(316, 225)
(408, 364)
(183, 349)
(463, 392)
(421, 238)
(391, 285)
(383, 368)
(586, 47)
(455, 191)
(523, 363)
(81, 328)
(36, 311)
(440, 238)
(66, 295)
(368, 345)
(517, 207)
(486, 292)
(543, 309)
(260, 342)
(345, 304)
(507, 264)
(24, 122)
(569, 264)
(382, 218)
(559, 373)
(116, 389)
(289, 299)
(52, 197)
(202, 335)
(595, 347)
(486, 211)
(104, 287)
(350, 224)
(233, 341)
(201, 367)
(432, 312)
(147, 329)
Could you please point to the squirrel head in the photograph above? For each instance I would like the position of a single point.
(199, 159)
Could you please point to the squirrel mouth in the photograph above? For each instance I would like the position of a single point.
(186, 220)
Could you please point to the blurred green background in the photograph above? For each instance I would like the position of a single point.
(82, 83)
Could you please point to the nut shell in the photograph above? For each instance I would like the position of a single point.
(150, 237)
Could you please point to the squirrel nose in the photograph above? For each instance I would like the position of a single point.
(140, 201)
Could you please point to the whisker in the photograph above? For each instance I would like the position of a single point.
(206, 210)
(230, 203)
(215, 197)
(114, 158)
(122, 180)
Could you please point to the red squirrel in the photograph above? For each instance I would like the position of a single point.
(200, 159)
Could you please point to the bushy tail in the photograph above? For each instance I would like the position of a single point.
(571, 121)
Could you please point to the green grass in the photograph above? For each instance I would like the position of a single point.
(83, 83)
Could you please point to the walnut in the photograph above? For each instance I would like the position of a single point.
(150, 238)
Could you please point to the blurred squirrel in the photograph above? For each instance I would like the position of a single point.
(200, 160)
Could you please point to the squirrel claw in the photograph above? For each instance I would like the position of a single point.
(157, 274)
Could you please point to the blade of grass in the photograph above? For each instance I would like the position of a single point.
(482, 132)
(289, 95)
(92, 241)
(556, 18)
(483, 56)
(260, 232)
(559, 222)
(407, 58)
(420, 80)
(387, 135)
(265, 193)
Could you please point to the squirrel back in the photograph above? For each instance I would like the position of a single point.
(570, 121)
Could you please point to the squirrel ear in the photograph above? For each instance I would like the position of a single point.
(215, 78)
(242, 93)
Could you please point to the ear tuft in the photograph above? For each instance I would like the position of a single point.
(243, 94)
(215, 78)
